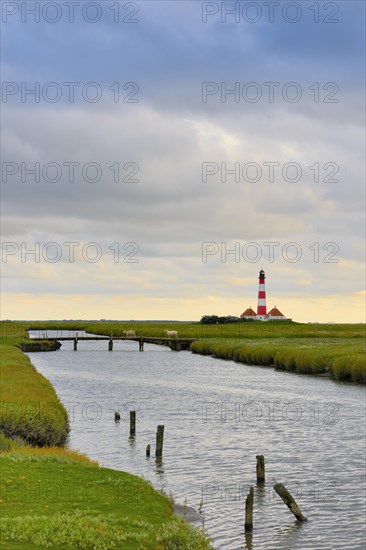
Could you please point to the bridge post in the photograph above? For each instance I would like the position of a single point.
(175, 345)
(75, 344)
(110, 344)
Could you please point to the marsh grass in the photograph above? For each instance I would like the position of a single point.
(343, 359)
(348, 366)
(30, 408)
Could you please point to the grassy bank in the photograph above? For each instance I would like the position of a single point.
(54, 497)
(342, 358)
(60, 499)
(30, 408)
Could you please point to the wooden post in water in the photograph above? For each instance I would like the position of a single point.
(159, 441)
(289, 501)
(260, 469)
(117, 416)
(148, 450)
(249, 510)
(132, 423)
(110, 345)
(141, 345)
(75, 344)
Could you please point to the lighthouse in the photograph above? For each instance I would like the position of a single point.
(262, 315)
(262, 308)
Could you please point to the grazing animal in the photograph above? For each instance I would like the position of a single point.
(171, 333)
(129, 333)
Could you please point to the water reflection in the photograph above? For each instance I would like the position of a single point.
(132, 441)
(288, 533)
(248, 540)
(261, 494)
(159, 467)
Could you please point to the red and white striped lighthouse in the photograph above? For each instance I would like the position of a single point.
(262, 308)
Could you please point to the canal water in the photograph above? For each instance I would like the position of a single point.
(218, 415)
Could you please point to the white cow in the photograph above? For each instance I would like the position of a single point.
(129, 333)
(171, 333)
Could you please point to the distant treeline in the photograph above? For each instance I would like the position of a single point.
(217, 320)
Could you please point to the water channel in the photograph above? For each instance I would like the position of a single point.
(218, 415)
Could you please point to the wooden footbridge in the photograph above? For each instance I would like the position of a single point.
(175, 344)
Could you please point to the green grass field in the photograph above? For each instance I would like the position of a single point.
(252, 330)
(59, 499)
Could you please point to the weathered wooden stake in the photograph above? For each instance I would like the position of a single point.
(132, 423)
(117, 416)
(249, 510)
(289, 501)
(110, 345)
(148, 450)
(141, 345)
(260, 469)
(75, 344)
(159, 441)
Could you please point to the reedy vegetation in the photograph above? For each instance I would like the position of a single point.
(343, 359)
(30, 408)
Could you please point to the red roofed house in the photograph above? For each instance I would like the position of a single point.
(248, 314)
(276, 315)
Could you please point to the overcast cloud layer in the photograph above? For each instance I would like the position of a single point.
(151, 237)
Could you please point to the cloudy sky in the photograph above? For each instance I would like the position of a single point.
(157, 154)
